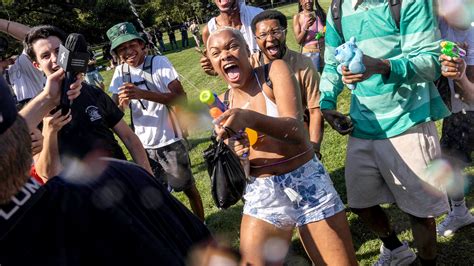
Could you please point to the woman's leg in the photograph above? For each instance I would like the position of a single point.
(262, 243)
(329, 241)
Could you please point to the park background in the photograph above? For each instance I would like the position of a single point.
(455, 250)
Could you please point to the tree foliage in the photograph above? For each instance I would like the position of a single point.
(92, 18)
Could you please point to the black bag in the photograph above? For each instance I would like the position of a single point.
(227, 175)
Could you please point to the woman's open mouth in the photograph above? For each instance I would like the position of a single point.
(232, 72)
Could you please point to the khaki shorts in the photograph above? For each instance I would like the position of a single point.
(393, 171)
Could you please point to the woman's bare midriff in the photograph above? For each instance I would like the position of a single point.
(267, 153)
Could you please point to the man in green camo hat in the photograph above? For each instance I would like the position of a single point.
(149, 85)
(121, 33)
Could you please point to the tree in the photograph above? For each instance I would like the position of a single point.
(92, 18)
(86, 17)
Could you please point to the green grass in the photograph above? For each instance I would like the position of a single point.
(457, 250)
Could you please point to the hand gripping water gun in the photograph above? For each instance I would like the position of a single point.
(320, 34)
(216, 108)
(451, 49)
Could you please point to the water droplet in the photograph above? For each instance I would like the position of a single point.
(275, 249)
(151, 198)
(439, 172)
(107, 195)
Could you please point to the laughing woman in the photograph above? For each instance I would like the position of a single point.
(288, 187)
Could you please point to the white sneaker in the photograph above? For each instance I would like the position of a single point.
(453, 222)
(400, 256)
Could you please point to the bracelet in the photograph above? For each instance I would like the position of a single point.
(318, 155)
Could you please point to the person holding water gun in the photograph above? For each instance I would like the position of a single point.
(457, 139)
(288, 186)
(216, 109)
(455, 67)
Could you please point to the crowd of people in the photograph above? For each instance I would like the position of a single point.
(68, 189)
(192, 26)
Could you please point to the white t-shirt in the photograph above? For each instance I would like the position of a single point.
(455, 35)
(27, 81)
(153, 125)
(247, 13)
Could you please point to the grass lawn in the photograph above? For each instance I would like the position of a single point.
(457, 250)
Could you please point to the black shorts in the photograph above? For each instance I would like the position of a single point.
(457, 140)
(171, 165)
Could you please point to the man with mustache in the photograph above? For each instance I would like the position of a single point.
(270, 28)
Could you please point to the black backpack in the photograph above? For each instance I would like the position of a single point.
(395, 7)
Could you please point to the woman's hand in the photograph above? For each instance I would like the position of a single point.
(310, 22)
(231, 122)
(230, 126)
(239, 145)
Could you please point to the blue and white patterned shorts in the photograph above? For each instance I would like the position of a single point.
(315, 58)
(302, 196)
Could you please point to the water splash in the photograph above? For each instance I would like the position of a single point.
(440, 173)
(151, 198)
(108, 195)
(275, 249)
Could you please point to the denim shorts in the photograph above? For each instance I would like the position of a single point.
(315, 58)
(94, 78)
(300, 197)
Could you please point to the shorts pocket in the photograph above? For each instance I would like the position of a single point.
(429, 142)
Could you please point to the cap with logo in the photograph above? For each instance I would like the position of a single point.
(8, 110)
(122, 33)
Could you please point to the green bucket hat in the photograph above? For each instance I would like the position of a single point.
(121, 33)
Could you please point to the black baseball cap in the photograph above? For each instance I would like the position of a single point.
(8, 110)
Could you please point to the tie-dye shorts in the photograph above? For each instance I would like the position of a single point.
(302, 196)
